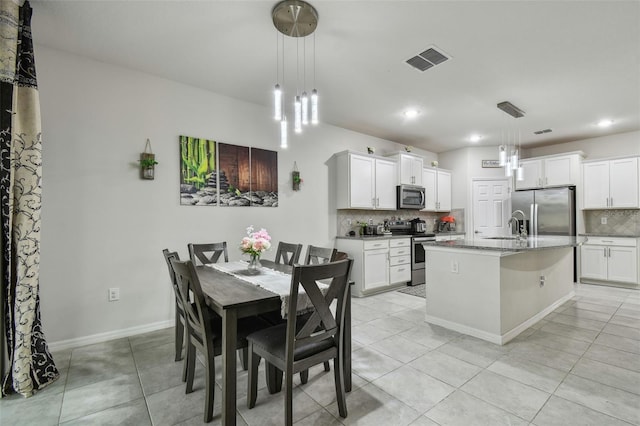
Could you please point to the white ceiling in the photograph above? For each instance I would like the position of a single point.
(567, 64)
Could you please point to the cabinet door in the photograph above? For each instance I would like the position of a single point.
(560, 171)
(361, 182)
(623, 183)
(430, 193)
(594, 262)
(406, 173)
(385, 184)
(376, 268)
(532, 170)
(444, 191)
(416, 170)
(596, 185)
(623, 264)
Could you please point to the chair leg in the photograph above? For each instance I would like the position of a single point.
(326, 366)
(244, 357)
(179, 337)
(274, 378)
(288, 400)
(252, 389)
(338, 371)
(304, 376)
(210, 386)
(190, 366)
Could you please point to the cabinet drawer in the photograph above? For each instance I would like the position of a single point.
(400, 251)
(377, 244)
(400, 260)
(612, 241)
(400, 242)
(400, 273)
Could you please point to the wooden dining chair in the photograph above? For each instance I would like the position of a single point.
(288, 253)
(179, 320)
(204, 330)
(303, 342)
(318, 255)
(202, 254)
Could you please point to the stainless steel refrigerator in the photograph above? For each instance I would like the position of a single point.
(547, 211)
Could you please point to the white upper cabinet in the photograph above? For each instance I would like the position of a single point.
(365, 182)
(437, 184)
(409, 169)
(545, 172)
(611, 184)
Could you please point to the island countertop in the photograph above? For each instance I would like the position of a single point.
(539, 242)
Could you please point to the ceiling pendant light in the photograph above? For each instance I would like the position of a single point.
(296, 18)
(509, 157)
(277, 103)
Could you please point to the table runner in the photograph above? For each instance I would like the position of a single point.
(269, 279)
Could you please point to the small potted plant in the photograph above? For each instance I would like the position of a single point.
(147, 166)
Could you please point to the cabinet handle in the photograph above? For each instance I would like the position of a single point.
(373, 202)
(400, 270)
(609, 250)
(611, 205)
(605, 252)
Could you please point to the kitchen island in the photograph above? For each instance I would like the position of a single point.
(494, 289)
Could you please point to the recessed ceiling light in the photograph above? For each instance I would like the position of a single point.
(605, 123)
(411, 113)
(475, 138)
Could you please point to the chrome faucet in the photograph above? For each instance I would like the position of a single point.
(522, 232)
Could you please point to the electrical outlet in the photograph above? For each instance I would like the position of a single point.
(454, 266)
(542, 280)
(603, 220)
(114, 294)
(348, 222)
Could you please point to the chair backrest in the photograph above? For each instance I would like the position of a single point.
(288, 253)
(208, 253)
(168, 257)
(340, 255)
(318, 255)
(322, 323)
(197, 314)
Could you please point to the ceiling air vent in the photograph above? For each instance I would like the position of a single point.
(539, 132)
(511, 109)
(427, 59)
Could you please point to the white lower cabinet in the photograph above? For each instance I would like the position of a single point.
(379, 264)
(610, 259)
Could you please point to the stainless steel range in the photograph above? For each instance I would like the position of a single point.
(411, 228)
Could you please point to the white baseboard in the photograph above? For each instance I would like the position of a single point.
(110, 335)
(497, 338)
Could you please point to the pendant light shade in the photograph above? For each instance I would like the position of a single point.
(277, 103)
(297, 118)
(502, 152)
(305, 108)
(508, 170)
(520, 174)
(514, 159)
(283, 132)
(314, 106)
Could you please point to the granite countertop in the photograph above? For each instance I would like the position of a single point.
(595, 234)
(508, 245)
(450, 233)
(371, 237)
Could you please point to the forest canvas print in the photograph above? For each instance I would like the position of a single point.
(214, 173)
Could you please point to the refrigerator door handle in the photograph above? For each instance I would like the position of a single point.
(535, 212)
(532, 221)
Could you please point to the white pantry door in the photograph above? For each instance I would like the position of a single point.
(490, 208)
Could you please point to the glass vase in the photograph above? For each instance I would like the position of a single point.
(254, 264)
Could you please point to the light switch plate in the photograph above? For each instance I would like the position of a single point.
(603, 220)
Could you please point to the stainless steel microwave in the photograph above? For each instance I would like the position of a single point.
(410, 197)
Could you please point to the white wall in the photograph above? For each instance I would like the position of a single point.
(104, 227)
(618, 145)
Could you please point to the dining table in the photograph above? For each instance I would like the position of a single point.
(232, 297)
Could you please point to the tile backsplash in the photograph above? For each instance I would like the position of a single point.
(619, 222)
(379, 216)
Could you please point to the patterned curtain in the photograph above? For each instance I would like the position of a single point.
(30, 366)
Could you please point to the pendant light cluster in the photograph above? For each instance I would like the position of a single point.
(510, 144)
(297, 19)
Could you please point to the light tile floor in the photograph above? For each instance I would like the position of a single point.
(578, 366)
